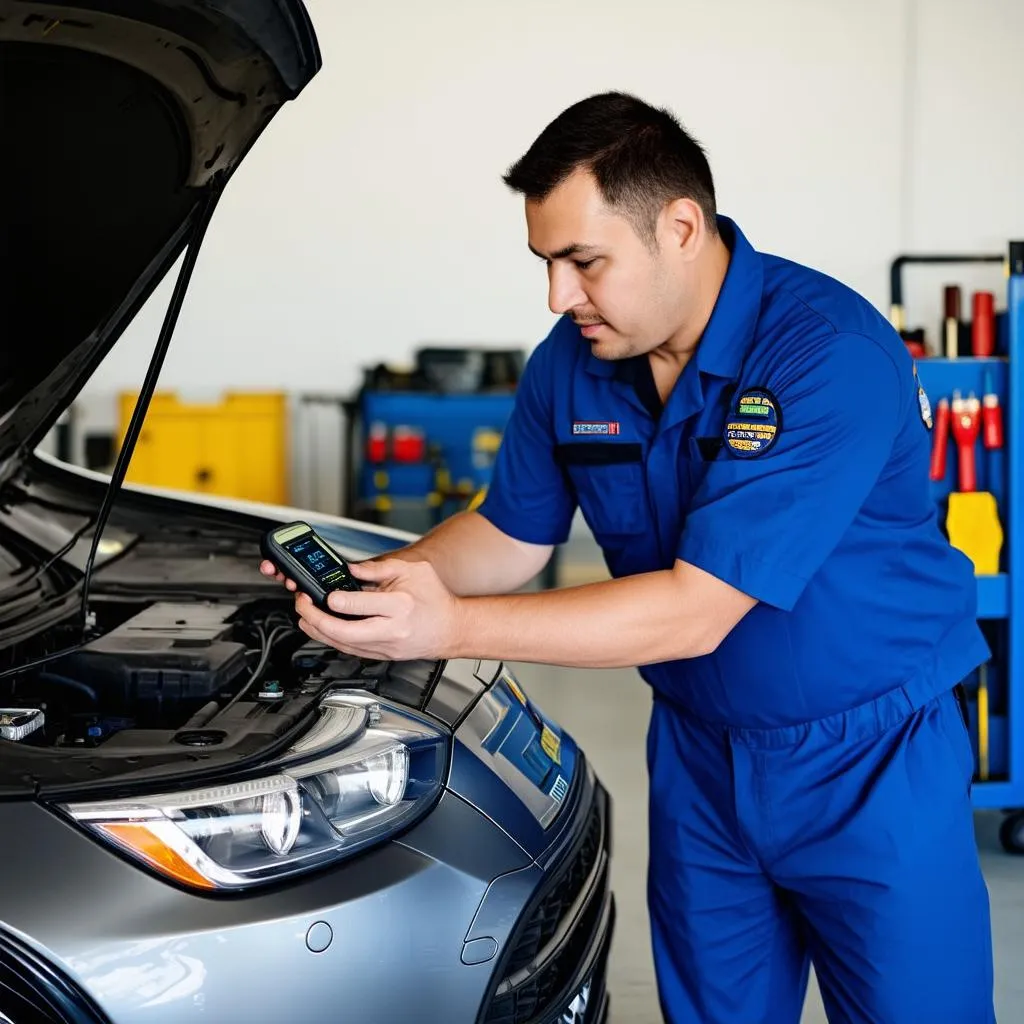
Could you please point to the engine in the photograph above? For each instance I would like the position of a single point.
(164, 673)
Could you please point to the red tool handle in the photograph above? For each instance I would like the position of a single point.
(983, 327)
(992, 423)
(968, 474)
(965, 422)
(991, 416)
(940, 440)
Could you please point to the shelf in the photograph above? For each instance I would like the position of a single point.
(993, 596)
(995, 796)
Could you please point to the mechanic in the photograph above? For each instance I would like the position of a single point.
(748, 442)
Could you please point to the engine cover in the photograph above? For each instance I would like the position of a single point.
(168, 654)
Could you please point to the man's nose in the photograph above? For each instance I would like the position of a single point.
(564, 292)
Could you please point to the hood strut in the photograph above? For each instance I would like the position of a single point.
(203, 216)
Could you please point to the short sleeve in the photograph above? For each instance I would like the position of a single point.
(765, 521)
(528, 497)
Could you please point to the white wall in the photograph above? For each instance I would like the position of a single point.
(371, 216)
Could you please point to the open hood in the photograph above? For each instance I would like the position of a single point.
(118, 117)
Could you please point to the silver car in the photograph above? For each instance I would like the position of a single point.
(204, 816)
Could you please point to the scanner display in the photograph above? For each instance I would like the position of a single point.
(317, 561)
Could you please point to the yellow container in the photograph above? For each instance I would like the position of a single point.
(235, 448)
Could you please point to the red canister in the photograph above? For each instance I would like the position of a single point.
(983, 325)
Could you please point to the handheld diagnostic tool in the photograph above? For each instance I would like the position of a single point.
(306, 558)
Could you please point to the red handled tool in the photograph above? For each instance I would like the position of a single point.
(965, 424)
(991, 418)
(940, 440)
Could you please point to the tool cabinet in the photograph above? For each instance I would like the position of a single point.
(996, 692)
(235, 447)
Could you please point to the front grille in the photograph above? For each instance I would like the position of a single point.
(34, 992)
(528, 998)
(543, 922)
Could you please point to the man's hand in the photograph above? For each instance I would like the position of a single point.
(410, 613)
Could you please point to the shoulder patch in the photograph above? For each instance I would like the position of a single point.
(922, 401)
(754, 423)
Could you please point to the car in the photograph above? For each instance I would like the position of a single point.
(204, 815)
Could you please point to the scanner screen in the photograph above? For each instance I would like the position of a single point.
(320, 563)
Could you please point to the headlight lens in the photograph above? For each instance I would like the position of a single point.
(365, 771)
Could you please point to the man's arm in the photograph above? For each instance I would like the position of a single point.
(677, 613)
(473, 557)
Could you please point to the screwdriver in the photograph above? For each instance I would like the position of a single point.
(940, 440)
(983, 722)
(965, 433)
(991, 417)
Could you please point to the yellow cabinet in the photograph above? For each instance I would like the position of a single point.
(235, 448)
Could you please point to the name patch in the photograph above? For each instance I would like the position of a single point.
(754, 424)
(588, 427)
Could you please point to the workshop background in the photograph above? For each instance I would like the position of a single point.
(358, 313)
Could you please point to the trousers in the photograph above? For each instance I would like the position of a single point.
(847, 843)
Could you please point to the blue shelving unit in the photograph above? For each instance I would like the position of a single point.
(1000, 596)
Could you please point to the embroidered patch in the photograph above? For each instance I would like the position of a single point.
(754, 424)
(922, 401)
(594, 427)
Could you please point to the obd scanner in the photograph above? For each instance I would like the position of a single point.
(303, 556)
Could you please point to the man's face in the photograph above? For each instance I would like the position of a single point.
(627, 297)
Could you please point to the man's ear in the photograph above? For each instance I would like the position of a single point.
(682, 222)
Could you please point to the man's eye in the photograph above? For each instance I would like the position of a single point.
(584, 264)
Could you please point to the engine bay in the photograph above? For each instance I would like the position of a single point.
(177, 676)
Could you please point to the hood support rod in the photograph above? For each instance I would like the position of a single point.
(202, 222)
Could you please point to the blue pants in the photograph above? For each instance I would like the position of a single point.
(848, 842)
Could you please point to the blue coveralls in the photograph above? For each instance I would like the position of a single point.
(810, 779)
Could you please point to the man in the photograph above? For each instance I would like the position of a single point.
(747, 440)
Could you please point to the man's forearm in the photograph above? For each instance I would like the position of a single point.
(638, 620)
(473, 557)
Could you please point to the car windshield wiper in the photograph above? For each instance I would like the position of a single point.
(202, 217)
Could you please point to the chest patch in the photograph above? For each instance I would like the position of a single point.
(754, 423)
(585, 428)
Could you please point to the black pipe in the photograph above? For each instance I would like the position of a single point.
(897, 265)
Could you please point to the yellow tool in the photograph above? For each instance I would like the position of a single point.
(983, 722)
(972, 522)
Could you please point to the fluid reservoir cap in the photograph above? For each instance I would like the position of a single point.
(319, 937)
(479, 951)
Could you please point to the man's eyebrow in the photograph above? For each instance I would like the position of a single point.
(575, 249)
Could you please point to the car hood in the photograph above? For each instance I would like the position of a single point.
(118, 118)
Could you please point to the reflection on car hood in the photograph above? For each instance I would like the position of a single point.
(118, 116)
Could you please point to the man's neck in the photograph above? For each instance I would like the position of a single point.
(669, 359)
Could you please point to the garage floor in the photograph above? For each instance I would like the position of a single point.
(606, 711)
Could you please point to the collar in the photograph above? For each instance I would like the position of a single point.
(733, 320)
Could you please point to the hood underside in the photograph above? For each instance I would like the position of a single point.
(118, 117)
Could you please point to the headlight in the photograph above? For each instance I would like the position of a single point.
(362, 773)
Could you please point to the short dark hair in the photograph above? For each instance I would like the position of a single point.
(640, 155)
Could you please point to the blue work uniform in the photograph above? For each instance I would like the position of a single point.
(810, 778)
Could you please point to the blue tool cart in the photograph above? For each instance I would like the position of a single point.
(973, 367)
(422, 442)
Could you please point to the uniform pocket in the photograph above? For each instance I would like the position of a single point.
(608, 478)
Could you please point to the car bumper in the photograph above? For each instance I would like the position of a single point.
(102, 942)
